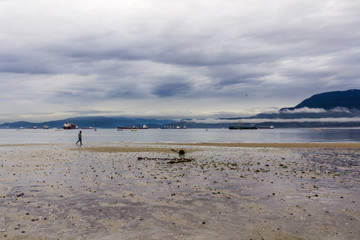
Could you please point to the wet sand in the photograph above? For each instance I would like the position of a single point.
(227, 191)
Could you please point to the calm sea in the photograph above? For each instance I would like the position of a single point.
(11, 136)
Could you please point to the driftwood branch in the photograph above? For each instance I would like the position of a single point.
(170, 160)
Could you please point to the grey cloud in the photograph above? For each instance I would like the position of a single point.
(24, 63)
(172, 89)
(127, 92)
(193, 50)
(94, 112)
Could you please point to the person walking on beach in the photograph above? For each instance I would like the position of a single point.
(80, 139)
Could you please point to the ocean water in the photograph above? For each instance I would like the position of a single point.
(283, 135)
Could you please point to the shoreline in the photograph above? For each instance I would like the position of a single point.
(281, 145)
(350, 145)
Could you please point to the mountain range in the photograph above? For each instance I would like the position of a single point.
(86, 122)
(336, 104)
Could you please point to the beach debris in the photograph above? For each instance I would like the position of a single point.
(20, 195)
(182, 160)
(170, 160)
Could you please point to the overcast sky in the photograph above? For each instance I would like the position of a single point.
(167, 58)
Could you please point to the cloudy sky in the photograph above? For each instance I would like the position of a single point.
(167, 58)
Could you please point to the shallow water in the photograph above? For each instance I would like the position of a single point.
(284, 135)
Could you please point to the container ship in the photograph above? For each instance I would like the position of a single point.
(69, 126)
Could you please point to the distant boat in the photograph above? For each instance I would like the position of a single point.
(266, 127)
(69, 126)
(45, 127)
(242, 128)
(132, 128)
(174, 127)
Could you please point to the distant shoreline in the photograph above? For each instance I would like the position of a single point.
(282, 145)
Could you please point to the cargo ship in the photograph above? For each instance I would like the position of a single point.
(250, 128)
(69, 126)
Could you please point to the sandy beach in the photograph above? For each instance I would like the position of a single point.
(145, 191)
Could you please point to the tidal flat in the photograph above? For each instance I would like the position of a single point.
(138, 191)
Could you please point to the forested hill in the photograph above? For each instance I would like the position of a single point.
(349, 99)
